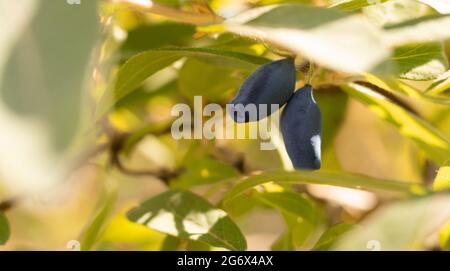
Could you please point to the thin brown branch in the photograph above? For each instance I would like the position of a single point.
(8, 204)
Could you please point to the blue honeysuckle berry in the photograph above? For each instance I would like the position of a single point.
(301, 126)
(271, 84)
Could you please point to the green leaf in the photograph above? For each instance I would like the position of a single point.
(401, 226)
(44, 60)
(140, 67)
(395, 12)
(186, 215)
(283, 243)
(331, 235)
(442, 180)
(170, 243)
(442, 6)
(350, 5)
(4, 229)
(440, 85)
(424, 29)
(429, 139)
(333, 105)
(425, 61)
(204, 171)
(151, 36)
(329, 37)
(444, 237)
(95, 228)
(291, 203)
(50, 61)
(214, 84)
(322, 177)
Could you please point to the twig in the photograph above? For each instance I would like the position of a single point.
(392, 97)
(149, 6)
(7, 204)
(116, 146)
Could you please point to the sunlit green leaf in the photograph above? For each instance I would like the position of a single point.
(204, 171)
(442, 180)
(331, 235)
(215, 82)
(322, 177)
(440, 85)
(435, 144)
(425, 61)
(140, 67)
(395, 12)
(444, 237)
(4, 229)
(95, 228)
(329, 37)
(186, 215)
(424, 29)
(354, 4)
(291, 203)
(442, 6)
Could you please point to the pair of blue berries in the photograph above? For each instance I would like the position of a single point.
(301, 120)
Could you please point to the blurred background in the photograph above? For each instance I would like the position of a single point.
(73, 160)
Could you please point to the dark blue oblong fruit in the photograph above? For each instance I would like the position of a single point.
(301, 126)
(271, 84)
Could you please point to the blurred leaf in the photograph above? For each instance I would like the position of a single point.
(186, 215)
(301, 230)
(170, 243)
(44, 58)
(197, 246)
(395, 85)
(122, 232)
(442, 6)
(425, 61)
(283, 243)
(333, 105)
(444, 237)
(95, 228)
(153, 36)
(395, 11)
(440, 85)
(329, 37)
(349, 5)
(322, 177)
(400, 226)
(289, 202)
(331, 235)
(204, 171)
(46, 70)
(140, 67)
(424, 29)
(4, 229)
(442, 180)
(430, 140)
(214, 84)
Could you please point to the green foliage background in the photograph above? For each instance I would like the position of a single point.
(89, 88)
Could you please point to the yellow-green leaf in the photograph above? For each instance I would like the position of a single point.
(186, 215)
(435, 144)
